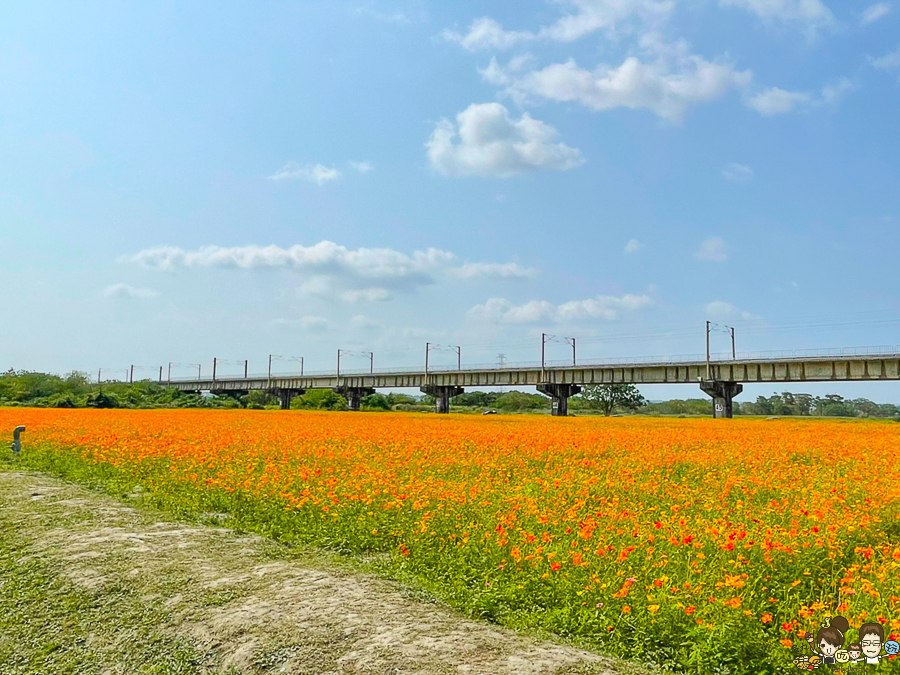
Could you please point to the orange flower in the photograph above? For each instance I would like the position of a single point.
(457, 496)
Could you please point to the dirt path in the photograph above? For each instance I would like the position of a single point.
(239, 604)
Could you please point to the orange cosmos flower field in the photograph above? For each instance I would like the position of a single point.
(705, 545)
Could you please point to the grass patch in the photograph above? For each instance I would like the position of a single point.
(51, 625)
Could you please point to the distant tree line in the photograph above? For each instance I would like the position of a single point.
(76, 390)
(830, 405)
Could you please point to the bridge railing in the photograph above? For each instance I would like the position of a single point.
(716, 358)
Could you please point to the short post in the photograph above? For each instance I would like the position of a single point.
(17, 443)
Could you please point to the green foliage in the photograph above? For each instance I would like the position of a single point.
(608, 397)
(319, 399)
(101, 400)
(392, 401)
(516, 400)
(76, 390)
(830, 405)
(376, 402)
(691, 406)
(258, 399)
(478, 399)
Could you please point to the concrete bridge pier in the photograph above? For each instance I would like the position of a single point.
(722, 394)
(559, 394)
(354, 395)
(442, 395)
(286, 395)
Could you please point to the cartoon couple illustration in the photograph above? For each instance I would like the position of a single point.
(827, 646)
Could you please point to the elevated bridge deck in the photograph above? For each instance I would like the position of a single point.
(560, 382)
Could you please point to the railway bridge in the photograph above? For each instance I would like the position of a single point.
(721, 379)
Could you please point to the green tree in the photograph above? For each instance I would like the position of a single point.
(477, 399)
(804, 404)
(376, 402)
(519, 400)
(257, 399)
(608, 397)
(320, 399)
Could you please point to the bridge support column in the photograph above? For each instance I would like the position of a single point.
(286, 395)
(722, 394)
(559, 394)
(442, 395)
(354, 395)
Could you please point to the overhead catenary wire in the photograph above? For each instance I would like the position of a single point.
(747, 326)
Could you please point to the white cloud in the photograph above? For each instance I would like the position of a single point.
(810, 14)
(775, 101)
(872, 13)
(486, 141)
(502, 76)
(394, 17)
(374, 294)
(737, 173)
(668, 85)
(593, 15)
(362, 322)
(126, 292)
(312, 173)
(494, 271)
(606, 307)
(486, 33)
(585, 17)
(362, 167)
(333, 271)
(719, 309)
(712, 250)
(835, 90)
(633, 245)
(890, 61)
(375, 263)
(310, 324)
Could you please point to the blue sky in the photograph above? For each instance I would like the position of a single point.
(187, 180)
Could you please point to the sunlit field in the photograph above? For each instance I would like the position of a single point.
(705, 545)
